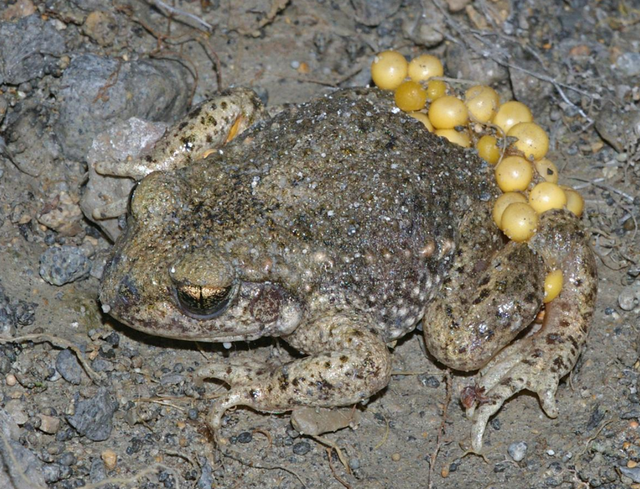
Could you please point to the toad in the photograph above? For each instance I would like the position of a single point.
(339, 225)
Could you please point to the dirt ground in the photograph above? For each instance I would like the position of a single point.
(131, 415)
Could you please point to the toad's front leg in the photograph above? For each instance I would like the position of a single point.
(347, 363)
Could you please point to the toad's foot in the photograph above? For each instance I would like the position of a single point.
(347, 363)
(539, 361)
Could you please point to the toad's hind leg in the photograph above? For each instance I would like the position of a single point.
(347, 363)
(539, 361)
(491, 293)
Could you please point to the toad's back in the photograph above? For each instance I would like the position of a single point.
(355, 204)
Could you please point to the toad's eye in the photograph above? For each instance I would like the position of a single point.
(204, 302)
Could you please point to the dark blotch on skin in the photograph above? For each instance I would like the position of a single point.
(559, 363)
(573, 341)
(481, 297)
(553, 338)
(128, 291)
(265, 307)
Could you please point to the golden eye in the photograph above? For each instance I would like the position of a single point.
(204, 302)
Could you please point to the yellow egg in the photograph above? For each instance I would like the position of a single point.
(532, 140)
(422, 118)
(482, 102)
(488, 149)
(511, 113)
(575, 202)
(424, 67)
(553, 285)
(410, 96)
(513, 173)
(389, 69)
(519, 221)
(436, 89)
(504, 201)
(547, 170)
(546, 196)
(459, 138)
(448, 112)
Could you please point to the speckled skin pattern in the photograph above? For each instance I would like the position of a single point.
(337, 225)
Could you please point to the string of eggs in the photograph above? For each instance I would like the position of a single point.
(504, 135)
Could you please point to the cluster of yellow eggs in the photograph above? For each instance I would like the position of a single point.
(504, 135)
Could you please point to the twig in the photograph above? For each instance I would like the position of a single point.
(237, 458)
(168, 39)
(334, 446)
(333, 471)
(276, 7)
(596, 183)
(181, 15)
(386, 434)
(591, 438)
(441, 430)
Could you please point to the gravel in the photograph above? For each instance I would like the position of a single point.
(29, 48)
(64, 264)
(68, 366)
(517, 451)
(93, 417)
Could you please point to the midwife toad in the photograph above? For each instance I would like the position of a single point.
(338, 225)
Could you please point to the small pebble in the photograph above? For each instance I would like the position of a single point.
(517, 451)
(93, 417)
(301, 448)
(60, 265)
(395, 457)
(110, 459)
(49, 424)
(245, 437)
(67, 459)
(628, 298)
(429, 381)
(68, 366)
(633, 473)
(11, 380)
(629, 64)
(15, 408)
(52, 473)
